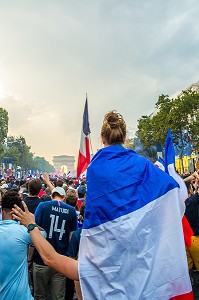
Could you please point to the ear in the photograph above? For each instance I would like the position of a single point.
(103, 140)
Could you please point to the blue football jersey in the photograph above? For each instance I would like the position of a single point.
(58, 219)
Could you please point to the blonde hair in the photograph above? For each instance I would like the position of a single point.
(114, 128)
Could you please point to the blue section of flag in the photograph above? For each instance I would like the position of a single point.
(119, 182)
(169, 151)
(161, 161)
(86, 125)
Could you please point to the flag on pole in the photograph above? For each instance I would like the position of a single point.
(160, 163)
(132, 244)
(170, 169)
(84, 151)
(183, 194)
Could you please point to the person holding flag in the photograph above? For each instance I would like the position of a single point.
(132, 244)
(169, 168)
(132, 226)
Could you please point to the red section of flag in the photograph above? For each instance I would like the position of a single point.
(83, 161)
(188, 296)
(84, 151)
(188, 232)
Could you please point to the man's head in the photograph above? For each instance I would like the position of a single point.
(9, 199)
(81, 191)
(34, 187)
(71, 183)
(71, 197)
(58, 193)
(59, 183)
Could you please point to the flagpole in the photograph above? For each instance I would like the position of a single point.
(89, 134)
(91, 144)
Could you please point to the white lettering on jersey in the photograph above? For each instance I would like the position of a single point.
(54, 227)
(61, 209)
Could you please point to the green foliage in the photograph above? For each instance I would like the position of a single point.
(20, 152)
(42, 165)
(145, 131)
(3, 128)
(18, 149)
(3, 124)
(137, 146)
(180, 114)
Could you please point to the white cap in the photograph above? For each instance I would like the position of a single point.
(4, 186)
(59, 190)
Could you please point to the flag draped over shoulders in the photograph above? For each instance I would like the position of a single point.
(132, 244)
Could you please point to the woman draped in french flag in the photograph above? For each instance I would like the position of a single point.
(132, 244)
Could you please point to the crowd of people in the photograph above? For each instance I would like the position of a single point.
(58, 205)
(45, 253)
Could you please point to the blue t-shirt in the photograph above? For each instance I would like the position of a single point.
(58, 219)
(14, 241)
(73, 248)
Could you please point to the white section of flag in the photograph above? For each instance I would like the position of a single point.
(83, 144)
(159, 165)
(150, 240)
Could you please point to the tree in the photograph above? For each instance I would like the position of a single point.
(42, 165)
(149, 152)
(137, 145)
(18, 149)
(3, 128)
(145, 132)
(180, 114)
(20, 152)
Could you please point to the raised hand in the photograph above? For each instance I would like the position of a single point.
(25, 217)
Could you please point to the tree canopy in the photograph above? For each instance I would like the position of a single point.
(17, 149)
(180, 114)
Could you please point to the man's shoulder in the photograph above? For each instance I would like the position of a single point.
(9, 226)
(34, 198)
(193, 198)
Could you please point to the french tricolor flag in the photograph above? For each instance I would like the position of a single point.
(132, 244)
(84, 151)
(170, 168)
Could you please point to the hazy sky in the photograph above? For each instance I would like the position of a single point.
(124, 54)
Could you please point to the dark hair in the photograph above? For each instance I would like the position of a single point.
(34, 187)
(70, 182)
(59, 183)
(83, 182)
(10, 198)
(114, 128)
(81, 191)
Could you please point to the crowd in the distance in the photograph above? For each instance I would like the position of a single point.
(58, 205)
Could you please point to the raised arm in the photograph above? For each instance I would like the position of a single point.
(62, 264)
(47, 181)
